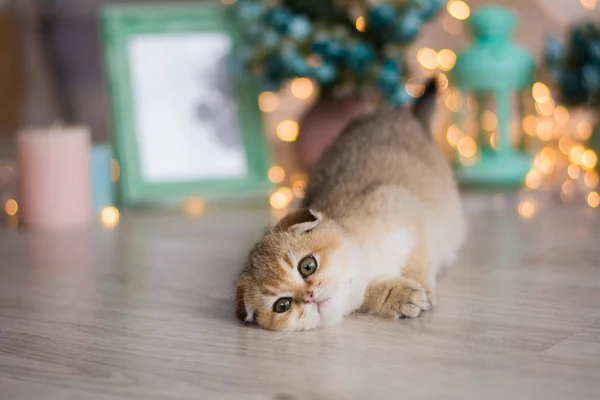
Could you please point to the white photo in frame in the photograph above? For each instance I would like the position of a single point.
(185, 108)
(186, 120)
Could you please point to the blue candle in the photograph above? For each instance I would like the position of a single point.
(102, 185)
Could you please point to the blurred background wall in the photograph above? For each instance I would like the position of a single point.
(56, 42)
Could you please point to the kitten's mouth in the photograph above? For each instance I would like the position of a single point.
(322, 303)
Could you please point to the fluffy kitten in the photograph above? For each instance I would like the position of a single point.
(382, 215)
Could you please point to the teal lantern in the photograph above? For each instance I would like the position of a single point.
(495, 75)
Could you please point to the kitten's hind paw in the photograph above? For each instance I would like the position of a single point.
(412, 302)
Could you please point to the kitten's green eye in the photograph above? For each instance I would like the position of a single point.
(307, 266)
(282, 305)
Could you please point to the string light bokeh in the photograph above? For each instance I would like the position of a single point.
(194, 206)
(589, 4)
(556, 138)
(110, 217)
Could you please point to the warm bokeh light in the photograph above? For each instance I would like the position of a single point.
(276, 174)
(278, 201)
(537, 160)
(546, 108)
(268, 102)
(115, 170)
(228, 2)
(544, 160)
(589, 4)
(559, 132)
(194, 206)
(453, 135)
(446, 59)
(584, 130)
(593, 199)
(287, 130)
(590, 179)
(298, 176)
(540, 92)
(467, 147)
(302, 88)
(458, 9)
(288, 192)
(489, 121)
(573, 171)
(414, 89)
(110, 217)
(281, 198)
(494, 140)
(547, 166)
(442, 81)
(361, 25)
(299, 188)
(427, 57)
(11, 207)
(576, 153)
(565, 144)
(453, 99)
(545, 130)
(527, 209)
(567, 190)
(530, 124)
(548, 153)
(533, 180)
(589, 159)
(561, 115)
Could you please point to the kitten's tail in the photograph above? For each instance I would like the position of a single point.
(424, 107)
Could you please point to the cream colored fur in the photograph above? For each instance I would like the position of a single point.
(382, 216)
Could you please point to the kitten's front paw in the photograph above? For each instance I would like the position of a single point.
(412, 300)
(398, 298)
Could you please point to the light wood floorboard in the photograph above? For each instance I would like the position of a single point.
(145, 312)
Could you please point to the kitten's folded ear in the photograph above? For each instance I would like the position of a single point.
(299, 221)
(424, 107)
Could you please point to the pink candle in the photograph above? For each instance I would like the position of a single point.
(54, 176)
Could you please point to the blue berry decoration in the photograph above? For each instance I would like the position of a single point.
(389, 76)
(326, 73)
(270, 38)
(575, 65)
(381, 16)
(409, 26)
(428, 8)
(388, 81)
(300, 27)
(359, 57)
(554, 50)
(250, 12)
(298, 40)
(329, 49)
(279, 18)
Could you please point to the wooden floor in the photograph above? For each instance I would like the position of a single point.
(145, 312)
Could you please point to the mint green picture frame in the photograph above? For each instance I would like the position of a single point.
(119, 25)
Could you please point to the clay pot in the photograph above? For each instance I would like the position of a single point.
(322, 124)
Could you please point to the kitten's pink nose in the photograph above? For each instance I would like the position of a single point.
(308, 298)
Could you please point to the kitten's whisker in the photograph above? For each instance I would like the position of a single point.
(282, 334)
